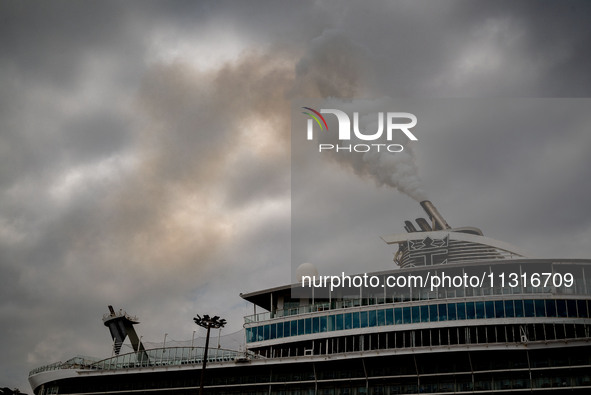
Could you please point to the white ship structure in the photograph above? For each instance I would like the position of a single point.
(523, 327)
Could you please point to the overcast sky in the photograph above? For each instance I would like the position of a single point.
(145, 150)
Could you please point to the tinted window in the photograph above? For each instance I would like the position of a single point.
(451, 311)
(406, 318)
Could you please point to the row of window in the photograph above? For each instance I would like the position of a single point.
(425, 313)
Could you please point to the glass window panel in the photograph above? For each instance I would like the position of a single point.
(470, 310)
(551, 307)
(266, 332)
(509, 310)
(416, 315)
(273, 331)
(280, 330)
(398, 315)
(390, 316)
(381, 317)
(356, 322)
(249, 335)
(373, 321)
(528, 307)
(348, 321)
(433, 313)
(540, 308)
(489, 309)
(582, 308)
(442, 312)
(406, 318)
(339, 322)
(293, 328)
(571, 306)
(479, 309)
(499, 309)
(451, 311)
(308, 325)
(331, 326)
(461, 308)
(301, 327)
(425, 313)
(323, 324)
(561, 308)
(363, 318)
(315, 324)
(519, 308)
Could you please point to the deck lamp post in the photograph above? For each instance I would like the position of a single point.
(208, 323)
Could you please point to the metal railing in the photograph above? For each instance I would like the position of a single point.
(153, 357)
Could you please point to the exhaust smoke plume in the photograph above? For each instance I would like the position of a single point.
(335, 67)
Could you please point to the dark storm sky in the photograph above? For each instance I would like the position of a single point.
(145, 149)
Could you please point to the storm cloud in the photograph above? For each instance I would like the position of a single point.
(145, 157)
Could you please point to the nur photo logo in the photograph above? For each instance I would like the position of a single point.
(395, 122)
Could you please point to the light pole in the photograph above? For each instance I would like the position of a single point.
(208, 323)
(163, 348)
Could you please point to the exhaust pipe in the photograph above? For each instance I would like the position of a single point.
(438, 222)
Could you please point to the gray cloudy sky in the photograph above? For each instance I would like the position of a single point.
(145, 149)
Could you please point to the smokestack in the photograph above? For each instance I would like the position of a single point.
(438, 222)
(410, 228)
(423, 224)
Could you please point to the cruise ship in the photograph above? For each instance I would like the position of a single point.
(458, 313)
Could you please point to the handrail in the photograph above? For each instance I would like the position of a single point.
(151, 357)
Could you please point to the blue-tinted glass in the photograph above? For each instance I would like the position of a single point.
(323, 324)
(315, 324)
(480, 310)
(442, 312)
(249, 335)
(363, 318)
(499, 309)
(280, 330)
(550, 308)
(398, 315)
(528, 307)
(258, 333)
(571, 305)
(390, 316)
(308, 325)
(331, 326)
(509, 310)
(424, 313)
(381, 317)
(356, 322)
(291, 328)
(461, 307)
(451, 311)
(339, 322)
(266, 332)
(519, 308)
(561, 308)
(489, 308)
(406, 318)
(373, 321)
(540, 308)
(300, 327)
(348, 321)
(273, 331)
(416, 314)
(433, 313)
(470, 310)
(582, 308)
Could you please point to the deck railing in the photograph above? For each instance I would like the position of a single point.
(152, 357)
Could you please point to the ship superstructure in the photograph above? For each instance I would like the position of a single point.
(523, 328)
